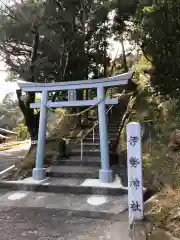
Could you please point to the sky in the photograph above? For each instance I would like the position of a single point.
(5, 87)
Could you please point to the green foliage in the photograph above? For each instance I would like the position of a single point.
(11, 115)
(22, 132)
(12, 76)
(158, 30)
(123, 12)
(70, 39)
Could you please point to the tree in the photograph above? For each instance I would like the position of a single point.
(158, 28)
(48, 41)
(123, 13)
(11, 115)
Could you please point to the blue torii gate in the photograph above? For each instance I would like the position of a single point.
(105, 173)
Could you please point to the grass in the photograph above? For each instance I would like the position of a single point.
(161, 167)
(161, 164)
(162, 173)
(164, 211)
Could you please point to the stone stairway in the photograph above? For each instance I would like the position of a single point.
(91, 148)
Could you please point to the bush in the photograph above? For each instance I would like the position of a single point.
(22, 132)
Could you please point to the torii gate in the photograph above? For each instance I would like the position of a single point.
(105, 173)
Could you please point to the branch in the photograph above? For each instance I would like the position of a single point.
(34, 54)
(9, 15)
(9, 60)
(21, 102)
(114, 62)
(13, 16)
(145, 55)
(65, 66)
(35, 47)
(60, 5)
(19, 48)
(15, 2)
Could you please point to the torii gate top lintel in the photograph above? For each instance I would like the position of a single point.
(121, 79)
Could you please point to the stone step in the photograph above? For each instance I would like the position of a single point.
(114, 121)
(90, 139)
(72, 172)
(87, 186)
(109, 129)
(111, 136)
(84, 206)
(97, 139)
(76, 161)
(113, 124)
(91, 144)
(74, 185)
(96, 134)
(110, 125)
(112, 130)
(86, 152)
(111, 133)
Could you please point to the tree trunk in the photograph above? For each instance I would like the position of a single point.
(105, 59)
(86, 115)
(125, 66)
(31, 119)
(79, 117)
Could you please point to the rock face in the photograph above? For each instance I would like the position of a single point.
(11, 114)
(174, 142)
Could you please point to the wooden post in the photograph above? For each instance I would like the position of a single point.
(135, 181)
(39, 171)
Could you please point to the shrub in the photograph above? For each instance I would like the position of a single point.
(22, 132)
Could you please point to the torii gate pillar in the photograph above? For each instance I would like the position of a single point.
(39, 172)
(105, 174)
